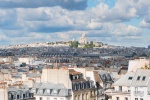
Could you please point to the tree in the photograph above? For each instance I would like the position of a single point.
(145, 67)
(74, 44)
(89, 45)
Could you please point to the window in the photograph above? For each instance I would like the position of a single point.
(69, 91)
(41, 98)
(48, 98)
(120, 88)
(73, 77)
(117, 98)
(34, 91)
(75, 98)
(130, 78)
(55, 98)
(41, 91)
(86, 96)
(126, 98)
(76, 77)
(82, 96)
(17, 96)
(91, 93)
(55, 92)
(141, 98)
(48, 91)
(138, 78)
(136, 98)
(78, 97)
(143, 79)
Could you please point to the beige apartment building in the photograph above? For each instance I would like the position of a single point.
(70, 80)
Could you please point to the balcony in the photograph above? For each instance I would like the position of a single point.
(114, 92)
(138, 93)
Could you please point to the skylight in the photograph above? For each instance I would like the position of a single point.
(138, 78)
(143, 78)
(130, 78)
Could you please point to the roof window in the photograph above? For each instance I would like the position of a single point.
(138, 78)
(143, 79)
(130, 78)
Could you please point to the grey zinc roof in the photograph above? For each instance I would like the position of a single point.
(124, 80)
(105, 76)
(33, 75)
(48, 85)
(141, 73)
(54, 89)
(13, 89)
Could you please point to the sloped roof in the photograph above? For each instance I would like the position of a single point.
(125, 80)
(141, 73)
(105, 76)
(48, 85)
(73, 72)
(97, 78)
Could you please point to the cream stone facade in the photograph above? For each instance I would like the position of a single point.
(138, 63)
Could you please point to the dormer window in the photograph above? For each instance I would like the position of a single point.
(76, 77)
(138, 78)
(69, 92)
(80, 76)
(48, 91)
(73, 77)
(41, 91)
(130, 78)
(33, 90)
(143, 79)
(55, 92)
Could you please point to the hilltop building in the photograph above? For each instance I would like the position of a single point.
(83, 39)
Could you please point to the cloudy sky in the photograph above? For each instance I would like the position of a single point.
(116, 22)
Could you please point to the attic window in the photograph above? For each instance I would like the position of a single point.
(55, 92)
(130, 78)
(138, 78)
(143, 79)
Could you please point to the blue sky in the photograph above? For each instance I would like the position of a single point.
(116, 22)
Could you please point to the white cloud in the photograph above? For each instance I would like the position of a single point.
(56, 23)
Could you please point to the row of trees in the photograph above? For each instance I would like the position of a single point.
(75, 44)
(89, 45)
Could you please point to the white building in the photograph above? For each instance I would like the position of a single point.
(137, 63)
(140, 87)
(27, 60)
(132, 86)
(121, 89)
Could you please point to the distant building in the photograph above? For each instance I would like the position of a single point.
(149, 47)
(27, 60)
(83, 39)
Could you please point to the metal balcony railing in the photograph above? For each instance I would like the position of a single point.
(138, 93)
